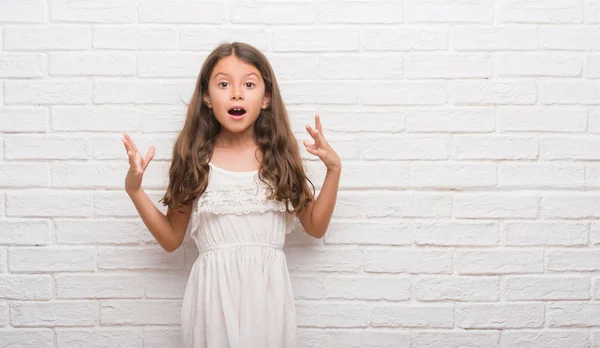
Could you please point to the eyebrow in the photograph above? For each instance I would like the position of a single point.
(227, 75)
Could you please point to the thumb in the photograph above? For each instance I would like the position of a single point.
(149, 156)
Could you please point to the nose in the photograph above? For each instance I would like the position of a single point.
(236, 94)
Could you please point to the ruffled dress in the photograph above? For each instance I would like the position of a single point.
(239, 292)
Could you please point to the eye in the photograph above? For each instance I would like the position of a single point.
(223, 84)
(250, 84)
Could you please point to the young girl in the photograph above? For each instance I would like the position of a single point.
(235, 183)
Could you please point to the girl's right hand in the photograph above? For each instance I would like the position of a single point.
(137, 164)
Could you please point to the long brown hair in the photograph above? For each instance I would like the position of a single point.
(281, 167)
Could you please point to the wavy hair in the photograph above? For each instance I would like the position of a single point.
(281, 167)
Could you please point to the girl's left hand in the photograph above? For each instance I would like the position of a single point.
(321, 147)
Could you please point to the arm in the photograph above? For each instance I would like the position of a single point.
(315, 218)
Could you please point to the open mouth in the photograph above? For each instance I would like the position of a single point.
(237, 111)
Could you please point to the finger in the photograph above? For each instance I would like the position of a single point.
(312, 150)
(131, 143)
(149, 156)
(313, 133)
(318, 123)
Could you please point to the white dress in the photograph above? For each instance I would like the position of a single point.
(239, 292)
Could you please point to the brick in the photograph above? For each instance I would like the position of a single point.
(273, 13)
(33, 11)
(350, 66)
(545, 233)
(404, 39)
(592, 11)
(592, 66)
(545, 338)
(331, 314)
(448, 66)
(180, 64)
(118, 204)
(53, 314)
(404, 93)
(135, 92)
(21, 65)
(494, 38)
(135, 38)
(450, 11)
(534, 65)
(441, 233)
(450, 175)
(526, 175)
(37, 203)
(140, 312)
(160, 338)
(307, 287)
(180, 12)
(569, 92)
(542, 119)
(528, 288)
(496, 205)
(102, 231)
(98, 286)
(499, 316)
(96, 118)
(23, 119)
(42, 38)
(24, 175)
(47, 92)
(394, 204)
(139, 258)
(456, 119)
(26, 287)
(39, 338)
(322, 92)
(576, 260)
(111, 11)
(407, 147)
(569, 148)
(110, 148)
(25, 232)
(455, 339)
(324, 259)
(344, 12)
(315, 39)
(366, 338)
(51, 147)
(573, 314)
(301, 66)
(494, 147)
(167, 286)
(407, 260)
(411, 316)
(367, 288)
(92, 63)
(102, 337)
(499, 261)
(378, 233)
(52, 259)
(529, 11)
(156, 119)
(569, 38)
(493, 92)
(452, 288)
(206, 38)
(571, 206)
(3, 313)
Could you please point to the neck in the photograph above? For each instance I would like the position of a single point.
(227, 138)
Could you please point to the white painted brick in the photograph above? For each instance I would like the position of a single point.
(494, 147)
(180, 12)
(369, 232)
(3, 261)
(275, 13)
(592, 11)
(92, 175)
(24, 174)
(442, 233)
(3, 314)
(569, 38)
(206, 38)
(291, 66)
(592, 66)
(26, 287)
(595, 288)
(594, 233)
(136, 92)
(156, 119)
(575, 260)
(545, 233)
(54, 313)
(21, 65)
(180, 64)
(307, 287)
(373, 174)
(324, 259)
(25, 232)
(366, 339)
(570, 148)
(404, 93)
(547, 64)
(96, 64)
(524, 288)
(52, 259)
(349, 66)
(457, 119)
(451, 175)
(405, 38)
(101, 231)
(344, 12)
(111, 11)
(33, 11)
(322, 92)
(573, 314)
(141, 312)
(406, 260)
(500, 316)
(542, 119)
(331, 314)
(111, 148)
(494, 38)
(112, 204)
(367, 288)
(42, 203)
(463, 289)
(161, 338)
(549, 11)
(38, 338)
(542, 175)
(493, 92)
(455, 339)
(496, 205)
(98, 338)
(312, 338)
(545, 338)
(448, 11)
(411, 316)
(23, 119)
(407, 147)
(51, 147)
(425, 66)
(96, 118)
(569, 92)
(503, 261)
(316, 39)
(167, 286)
(98, 286)
(135, 38)
(394, 204)
(571, 206)
(41, 38)
(47, 92)
(134, 258)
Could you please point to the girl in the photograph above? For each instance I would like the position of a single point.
(235, 182)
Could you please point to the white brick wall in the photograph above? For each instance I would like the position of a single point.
(468, 207)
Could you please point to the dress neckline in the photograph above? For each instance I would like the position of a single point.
(231, 171)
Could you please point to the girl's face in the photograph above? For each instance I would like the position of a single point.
(236, 94)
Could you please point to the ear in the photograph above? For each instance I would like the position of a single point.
(206, 99)
(266, 101)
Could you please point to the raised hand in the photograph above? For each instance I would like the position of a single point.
(321, 147)
(137, 164)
